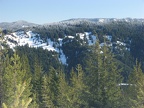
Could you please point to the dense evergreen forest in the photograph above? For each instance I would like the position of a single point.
(95, 76)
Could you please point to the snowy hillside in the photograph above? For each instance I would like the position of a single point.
(16, 25)
(21, 38)
(33, 39)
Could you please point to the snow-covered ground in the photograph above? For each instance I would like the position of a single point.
(121, 43)
(91, 38)
(21, 38)
(31, 39)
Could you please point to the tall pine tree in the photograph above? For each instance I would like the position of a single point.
(103, 79)
(136, 87)
(78, 88)
(74, 91)
(13, 76)
(36, 83)
(46, 100)
(19, 101)
(64, 88)
(53, 85)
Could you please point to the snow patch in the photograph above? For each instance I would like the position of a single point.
(81, 35)
(108, 37)
(91, 39)
(62, 57)
(70, 37)
(121, 43)
(101, 20)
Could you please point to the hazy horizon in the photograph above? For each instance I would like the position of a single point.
(64, 20)
(47, 11)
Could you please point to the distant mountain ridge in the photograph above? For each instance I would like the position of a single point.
(16, 25)
(103, 20)
(23, 24)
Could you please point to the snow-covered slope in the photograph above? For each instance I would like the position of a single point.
(21, 38)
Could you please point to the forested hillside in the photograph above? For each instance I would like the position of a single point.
(77, 63)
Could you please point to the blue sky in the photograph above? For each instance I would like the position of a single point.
(46, 11)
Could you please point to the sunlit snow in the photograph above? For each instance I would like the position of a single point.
(21, 38)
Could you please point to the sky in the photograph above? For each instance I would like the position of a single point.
(48, 11)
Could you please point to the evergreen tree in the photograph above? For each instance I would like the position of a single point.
(73, 94)
(53, 85)
(103, 79)
(26, 66)
(18, 101)
(136, 87)
(78, 88)
(28, 76)
(93, 70)
(64, 88)
(46, 101)
(36, 83)
(13, 76)
(112, 79)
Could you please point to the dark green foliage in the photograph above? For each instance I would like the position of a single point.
(71, 94)
(78, 88)
(135, 90)
(97, 86)
(46, 58)
(14, 75)
(103, 79)
(75, 50)
(46, 99)
(36, 83)
(19, 101)
(137, 42)
(64, 88)
(53, 85)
